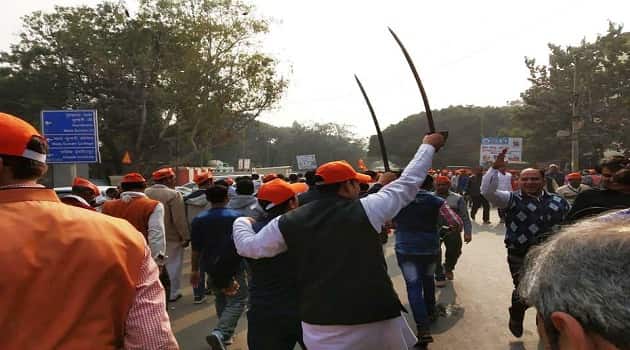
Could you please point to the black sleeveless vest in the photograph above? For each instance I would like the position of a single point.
(341, 271)
(272, 286)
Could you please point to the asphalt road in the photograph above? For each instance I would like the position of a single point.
(474, 304)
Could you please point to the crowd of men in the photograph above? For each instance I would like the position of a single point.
(303, 255)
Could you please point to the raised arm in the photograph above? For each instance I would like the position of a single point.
(490, 184)
(385, 204)
(489, 189)
(267, 243)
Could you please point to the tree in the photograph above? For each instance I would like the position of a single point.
(176, 80)
(601, 71)
(465, 124)
(267, 145)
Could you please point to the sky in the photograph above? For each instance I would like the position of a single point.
(467, 52)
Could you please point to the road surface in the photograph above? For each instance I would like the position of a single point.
(475, 304)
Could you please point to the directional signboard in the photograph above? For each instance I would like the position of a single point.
(72, 136)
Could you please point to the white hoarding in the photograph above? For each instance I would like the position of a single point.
(492, 146)
(306, 162)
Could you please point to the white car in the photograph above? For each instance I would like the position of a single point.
(64, 191)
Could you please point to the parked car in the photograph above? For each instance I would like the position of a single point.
(64, 191)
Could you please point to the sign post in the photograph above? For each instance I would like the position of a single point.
(492, 146)
(306, 162)
(244, 164)
(72, 136)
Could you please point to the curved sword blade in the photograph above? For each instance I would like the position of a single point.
(379, 134)
(425, 100)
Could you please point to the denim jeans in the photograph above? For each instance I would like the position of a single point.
(230, 308)
(204, 282)
(418, 272)
(200, 289)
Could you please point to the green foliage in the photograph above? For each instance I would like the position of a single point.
(170, 83)
(267, 145)
(602, 95)
(603, 105)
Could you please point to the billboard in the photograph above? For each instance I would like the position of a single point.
(492, 146)
(306, 162)
(244, 164)
(72, 136)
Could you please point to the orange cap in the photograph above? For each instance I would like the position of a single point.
(202, 177)
(162, 173)
(269, 177)
(81, 182)
(574, 176)
(442, 180)
(132, 177)
(340, 171)
(15, 134)
(278, 191)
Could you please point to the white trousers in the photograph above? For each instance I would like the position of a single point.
(174, 266)
(393, 334)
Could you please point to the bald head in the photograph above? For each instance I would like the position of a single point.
(532, 181)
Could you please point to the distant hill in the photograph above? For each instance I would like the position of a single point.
(465, 124)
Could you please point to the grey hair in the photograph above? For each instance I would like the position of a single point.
(583, 271)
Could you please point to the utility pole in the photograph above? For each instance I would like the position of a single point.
(575, 127)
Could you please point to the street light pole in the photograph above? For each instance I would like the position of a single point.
(575, 127)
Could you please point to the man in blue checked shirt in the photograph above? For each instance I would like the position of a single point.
(532, 215)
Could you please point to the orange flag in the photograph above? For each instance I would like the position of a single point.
(126, 158)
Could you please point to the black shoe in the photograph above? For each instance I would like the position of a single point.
(424, 339)
(177, 297)
(215, 342)
(200, 299)
(516, 324)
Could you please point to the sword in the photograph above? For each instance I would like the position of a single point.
(379, 134)
(425, 99)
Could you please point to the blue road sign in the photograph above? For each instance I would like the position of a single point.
(72, 136)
